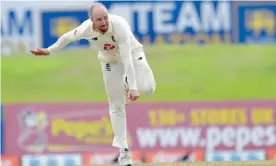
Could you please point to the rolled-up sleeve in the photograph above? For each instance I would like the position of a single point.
(122, 32)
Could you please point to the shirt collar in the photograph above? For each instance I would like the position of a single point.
(109, 27)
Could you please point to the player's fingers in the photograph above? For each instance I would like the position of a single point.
(134, 98)
(38, 52)
(34, 52)
(130, 97)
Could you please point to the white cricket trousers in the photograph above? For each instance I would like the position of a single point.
(114, 80)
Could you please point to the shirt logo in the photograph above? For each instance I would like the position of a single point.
(108, 68)
(108, 47)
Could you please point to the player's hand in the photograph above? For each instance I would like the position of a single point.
(40, 52)
(133, 95)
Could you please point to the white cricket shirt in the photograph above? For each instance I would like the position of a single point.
(116, 45)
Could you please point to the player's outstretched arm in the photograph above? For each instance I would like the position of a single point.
(65, 39)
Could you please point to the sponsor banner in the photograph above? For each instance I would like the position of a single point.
(169, 156)
(109, 158)
(235, 126)
(236, 156)
(182, 22)
(19, 28)
(213, 126)
(31, 24)
(271, 154)
(58, 128)
(255, 22)
(2, 129)
(51, 160)
(2, 137)
(10, 161)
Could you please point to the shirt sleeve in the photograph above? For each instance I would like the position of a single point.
(122, 33)
(65, 39)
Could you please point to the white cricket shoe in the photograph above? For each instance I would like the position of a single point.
(125, 158)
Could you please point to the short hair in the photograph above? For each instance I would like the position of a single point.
(92, 8)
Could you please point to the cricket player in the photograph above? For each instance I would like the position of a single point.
(124, 66)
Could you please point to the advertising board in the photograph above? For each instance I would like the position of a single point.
(214, 126)
(182, 22)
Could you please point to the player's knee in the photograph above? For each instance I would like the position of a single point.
(149, 89)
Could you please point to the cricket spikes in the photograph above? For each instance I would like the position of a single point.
(125, 158)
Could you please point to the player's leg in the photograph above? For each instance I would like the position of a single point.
(113, 75)
(144, 75)
(113, 79)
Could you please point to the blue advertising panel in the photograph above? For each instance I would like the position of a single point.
(176, 22)
(236, 156)
(255, 22)
(53, 160)
(56, 23)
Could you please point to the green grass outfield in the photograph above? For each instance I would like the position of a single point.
(183, 73)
